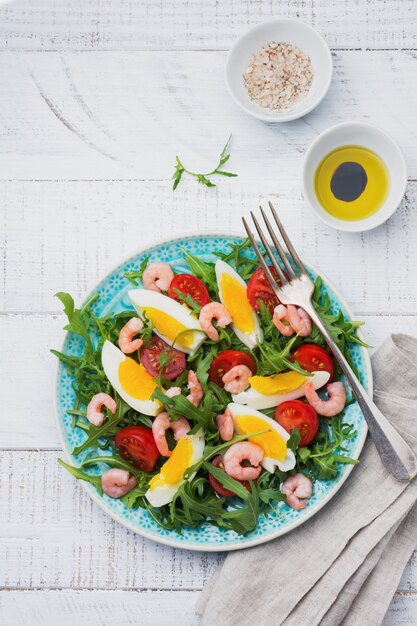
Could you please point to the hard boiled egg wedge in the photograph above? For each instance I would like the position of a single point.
(273, 442)
(130, 379)
(163, 486)
(269, 391)
(171, 320)
(232, 292)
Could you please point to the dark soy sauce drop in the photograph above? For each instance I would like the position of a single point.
(348, 181)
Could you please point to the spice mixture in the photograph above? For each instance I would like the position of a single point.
(278, 76)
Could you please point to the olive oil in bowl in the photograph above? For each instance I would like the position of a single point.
(351, 183)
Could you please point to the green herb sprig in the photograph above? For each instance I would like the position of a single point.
(203, 179)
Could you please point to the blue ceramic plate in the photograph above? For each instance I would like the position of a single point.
(113, 297)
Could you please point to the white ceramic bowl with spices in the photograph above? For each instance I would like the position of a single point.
(280, 31)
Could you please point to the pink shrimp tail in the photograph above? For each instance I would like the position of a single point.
(281, 315)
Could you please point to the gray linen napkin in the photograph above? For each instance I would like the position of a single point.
(345, 563)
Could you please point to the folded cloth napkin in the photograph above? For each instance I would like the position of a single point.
(343, 565)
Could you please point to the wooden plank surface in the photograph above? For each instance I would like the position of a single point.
(127, 114)
(167, 24)
(132, 608)
(65, 235)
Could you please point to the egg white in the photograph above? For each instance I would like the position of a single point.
(268, 463)
(249, 339)
(163, 494)
(142, 298)
(111, 357)
(257, 400)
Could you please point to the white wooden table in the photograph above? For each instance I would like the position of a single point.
(96, 99)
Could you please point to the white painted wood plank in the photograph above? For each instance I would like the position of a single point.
(65, 235)
(111, 608)
(92, 25)
(98, 608)
(29, 419)
(127, 114)
(402, 611)
(53, 536)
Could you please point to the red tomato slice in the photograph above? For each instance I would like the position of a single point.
(149, 357)
(259, 288)
(137, 445)
(189, 285)
(217, 486)
(297, 414)
(314, 358)
(224, 362)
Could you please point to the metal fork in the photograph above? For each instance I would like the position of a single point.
(297, 289)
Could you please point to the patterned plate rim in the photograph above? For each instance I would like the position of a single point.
(210, 547)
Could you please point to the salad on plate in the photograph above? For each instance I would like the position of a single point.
(208, 400)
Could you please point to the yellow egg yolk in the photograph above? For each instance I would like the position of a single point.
(277, 383)
(236, 302)
(135, 380)
(170, 327)
(271, 442)
(173, 470)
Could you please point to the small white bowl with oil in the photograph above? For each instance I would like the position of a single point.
(354, 176)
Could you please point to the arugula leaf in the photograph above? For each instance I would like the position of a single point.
(107, 427)
(203, 270)
(77, 472)
(136, 275)
(203, 179)
(342, 330)
(294, 440)
(321, 458)
(243, 264)
(77, 321)
(189, 301)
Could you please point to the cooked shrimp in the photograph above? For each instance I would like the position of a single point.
(116, 482)
(225, 425)
(298, 490)
(173, 391)
(94, 415)
(161, 424)
(299, 320)
(243, 451)
(280, 316)
(157, 276)
(196, 391)
(237, 379)
(126, 342)
(330, 407)
(217, 311)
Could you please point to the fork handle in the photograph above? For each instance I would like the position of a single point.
(395, 453)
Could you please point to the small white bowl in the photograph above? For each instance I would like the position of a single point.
(368, 136)
(280, 30)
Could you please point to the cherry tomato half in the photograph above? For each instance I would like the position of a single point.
(297, 414)
(189, 285)
(224, 362)
(217, 486)
(259, 288)
(137, 445)
(149, 357)
(314, 358)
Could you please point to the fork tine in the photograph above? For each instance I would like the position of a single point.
(288, 243)
(269, 252)
(278, 246)
(259, 254)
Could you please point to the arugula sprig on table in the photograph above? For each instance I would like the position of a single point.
(203, 179)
